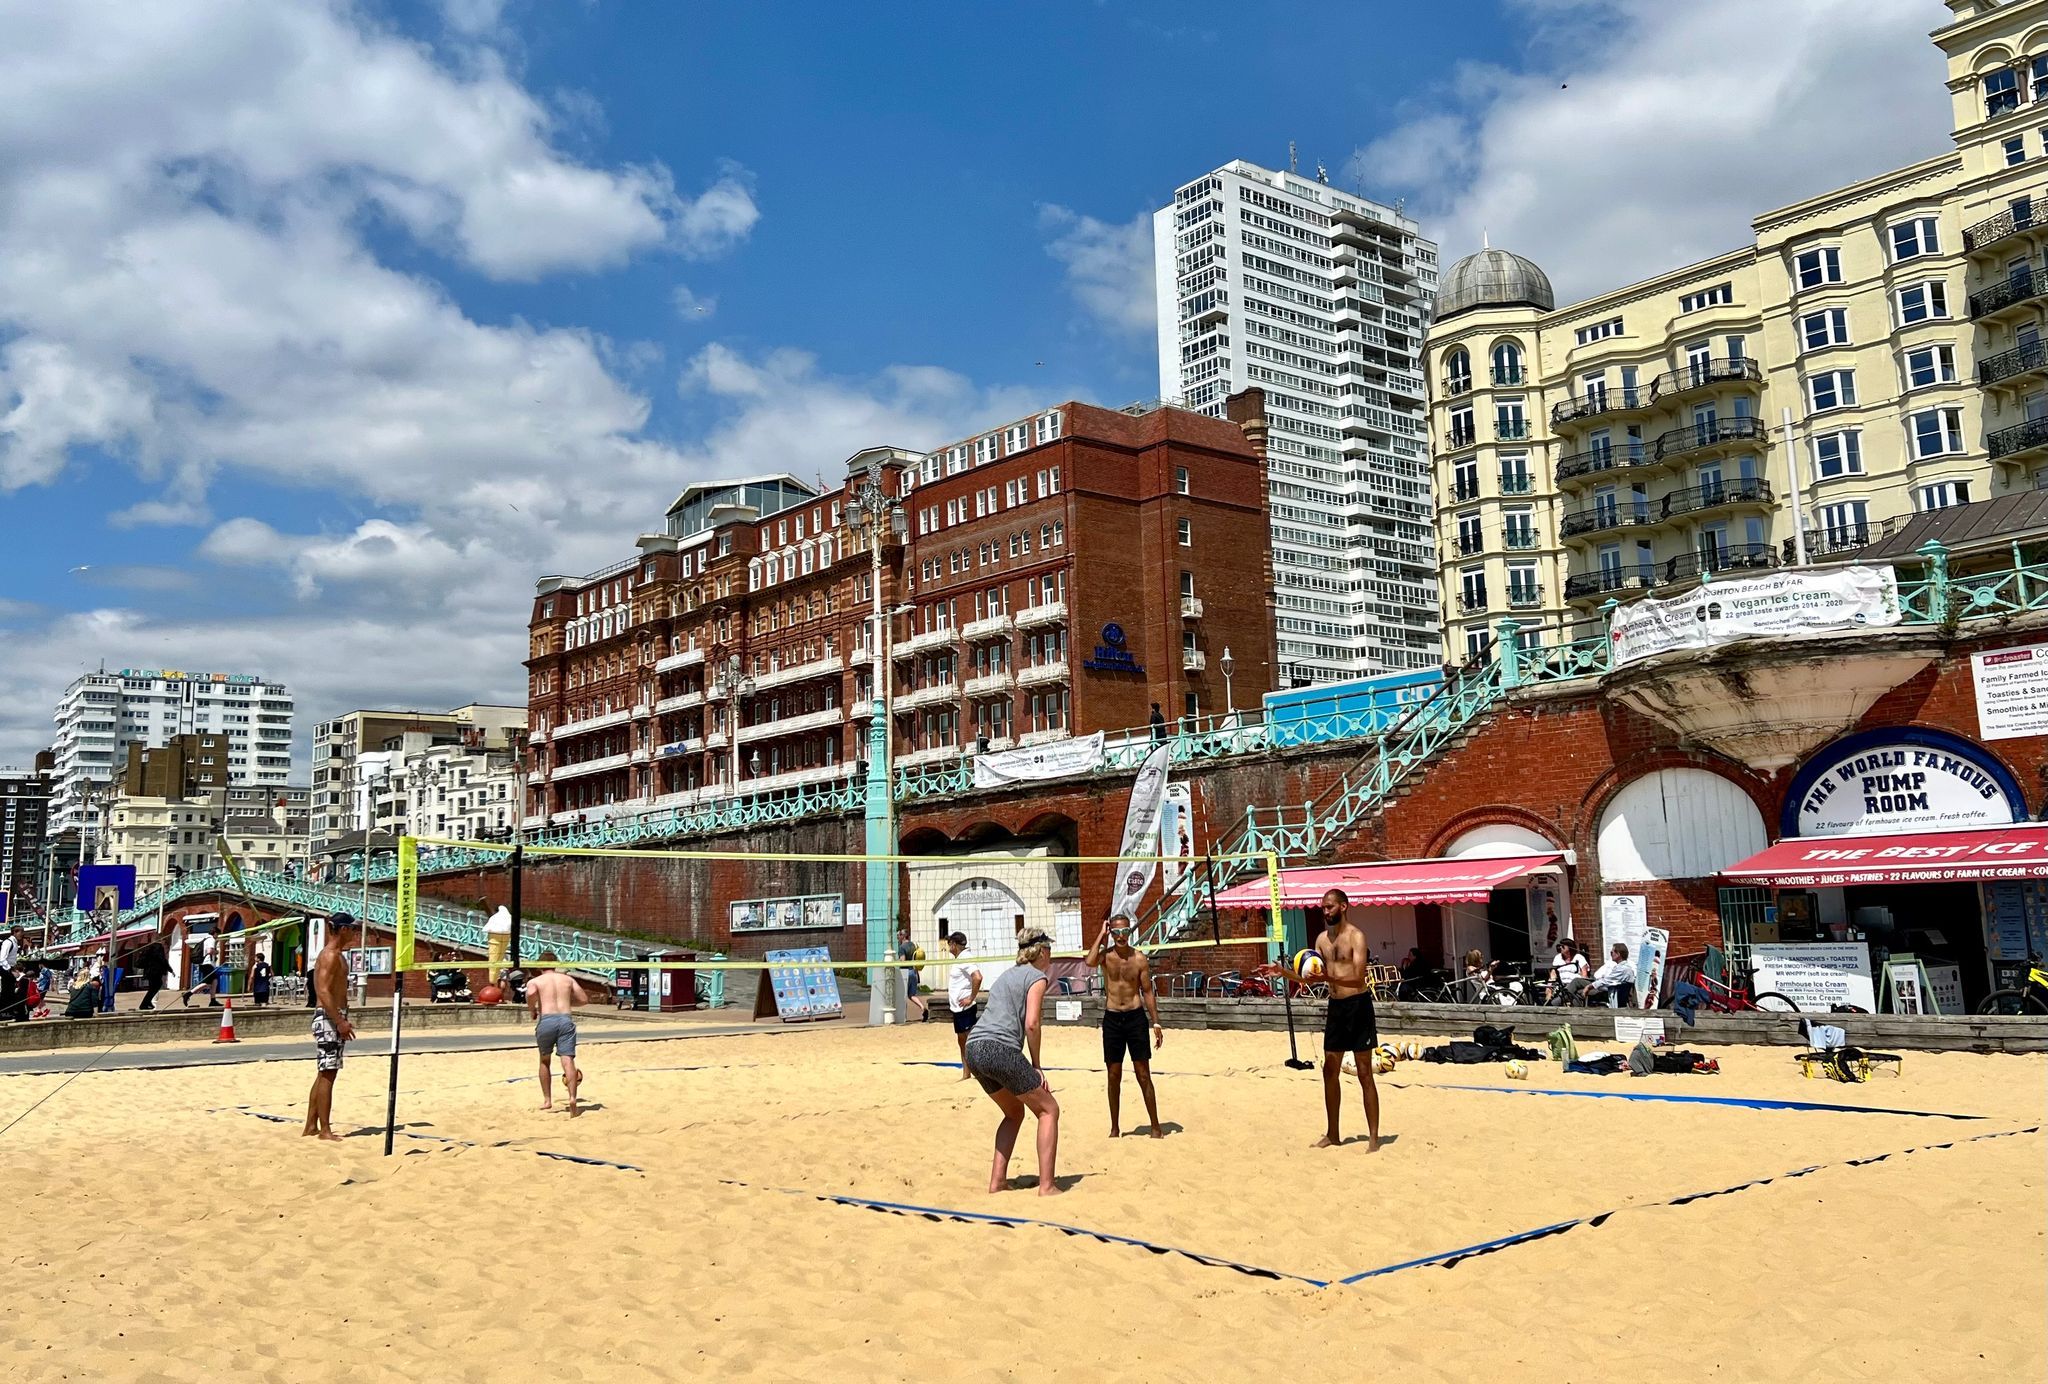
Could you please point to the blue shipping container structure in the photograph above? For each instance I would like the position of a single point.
(1344, 710)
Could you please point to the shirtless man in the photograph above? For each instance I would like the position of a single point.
(551, 998)
(1127, 1000)
(1349, 1026)
(331, 1028)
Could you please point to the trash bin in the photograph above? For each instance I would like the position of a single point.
(669, 991)
(629, 988)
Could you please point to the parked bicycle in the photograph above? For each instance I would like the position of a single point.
(2030, 998)
(1708, 990)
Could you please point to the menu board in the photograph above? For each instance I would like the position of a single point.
(803, 984)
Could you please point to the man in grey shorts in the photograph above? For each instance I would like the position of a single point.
(552, 997)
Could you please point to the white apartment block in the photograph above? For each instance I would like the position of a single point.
(359, 759)
(456, 792)
(1281, 283)
(102, 714)
(165, 837)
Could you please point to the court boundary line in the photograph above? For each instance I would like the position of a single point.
(1681, 1098)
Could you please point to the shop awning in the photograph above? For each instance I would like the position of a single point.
(1376, 883)
(1927, 857)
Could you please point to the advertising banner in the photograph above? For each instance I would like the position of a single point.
(792, 914)
(1650, 967)
(2012, 691)
(1141, 835)
(1794, 601)
(1176, 832)
(1060, 759)
(1816, 976)
(1623, 918)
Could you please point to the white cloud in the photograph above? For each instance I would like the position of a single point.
(693, 308)
(378, 553)
(1639, 135)
(1108, 266)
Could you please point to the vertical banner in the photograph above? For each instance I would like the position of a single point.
(1141, 835)
(1547, 921)
(1623, 919)
(1176, 833)
(408, 883)
(1650, 967)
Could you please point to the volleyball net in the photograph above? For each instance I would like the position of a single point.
(617, 910)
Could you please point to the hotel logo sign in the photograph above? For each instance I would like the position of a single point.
(1111, 655)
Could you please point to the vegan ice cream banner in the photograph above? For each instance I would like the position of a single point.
(1777, 603)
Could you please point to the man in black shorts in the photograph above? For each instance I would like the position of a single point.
(1128, 1000)
(963, 991)
(1349, 1026)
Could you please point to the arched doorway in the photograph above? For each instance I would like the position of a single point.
(1518, 922)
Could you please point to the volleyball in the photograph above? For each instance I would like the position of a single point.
(1381, 1063)
(1390, 1052)
(1307, 965)
(1518, 1070)
(490, 994)
(1411, 1050)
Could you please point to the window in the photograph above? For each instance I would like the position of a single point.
(1844, 524)
(1477, 642)
(1471, 536)
(1509, 422)
(1457, 371)
(1837, 454)
(2016, 150)
(1463, 430)
(1048, 426)
(1518, 528)
(1812, 268)
(1936, 432)
(1472, 589)
(1599, 331)
(1507, 363)
(1707, 298)
(984, 450)
(1942, 494)
(1017, 437)
(1926, 365)
(1185, 529)
(1465, 480)
(1831, 389)
(1828, 327)
(2001, 91)
(1922, 302)
(1918, 236)
(1180, 481)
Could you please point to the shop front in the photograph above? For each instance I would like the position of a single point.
(1905, 873)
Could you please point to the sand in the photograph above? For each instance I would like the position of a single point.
(174, 1236)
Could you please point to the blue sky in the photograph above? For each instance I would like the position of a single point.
(326, 327)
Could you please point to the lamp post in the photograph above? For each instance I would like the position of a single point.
(737, 686)
(1226, 663)
(878, 517)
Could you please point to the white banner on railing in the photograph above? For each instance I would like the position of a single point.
(1798, 601)
(1080, 755)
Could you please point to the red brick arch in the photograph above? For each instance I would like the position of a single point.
(1495, 814)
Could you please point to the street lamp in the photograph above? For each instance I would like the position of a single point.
(878, 518)
(1226, 663)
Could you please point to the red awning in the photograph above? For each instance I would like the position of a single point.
(1375, 883)
(1927, 857)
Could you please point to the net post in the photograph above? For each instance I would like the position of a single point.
(391, 1089)
(518, 877)
(1209, 878)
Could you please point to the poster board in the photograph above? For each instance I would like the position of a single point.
(1650, 967)
(1623, 919)
(1816, 976)
(1945, 987)
(798, 984)
(1906, 988)
(2012, 691)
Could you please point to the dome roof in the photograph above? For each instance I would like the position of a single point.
(1493, 278)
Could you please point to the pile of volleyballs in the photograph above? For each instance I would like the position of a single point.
(1387, 1054)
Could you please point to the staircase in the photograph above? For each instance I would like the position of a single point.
(444, 924)
(1302, 833)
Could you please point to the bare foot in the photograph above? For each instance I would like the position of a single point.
(549, 1106)
(575, 1110)
(330, 1138)
(995, 1186)
(1113, 1133)
(1157, 1132)
(1373, 1144)
(1050, 1191)
(1327, 1142)
(307, 1133)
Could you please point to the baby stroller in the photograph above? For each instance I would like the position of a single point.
(449, 987)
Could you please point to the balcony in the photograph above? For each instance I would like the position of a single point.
(1510, 378)
(1461, 437)
(924, 643)
(1599, 403)
(1705, 436)
(1746, 490)
(1051, 613)
(861, 708)
(590, 766)
(2023, 439)
(1511, 429)
(2002, 227)
(1606, 516)
(792, 725)
(1472, 602)
(1191, 607)
(1516, 483)
(642, 709)
(682, 660)
(1600, 460)
(1736, 557)
(590, 723)
(1039, 674)
(682, 701)
(1582, 586)
(1193, 661)
(2023, 362)
(862, 656)
(992, 627)
(1704, 374)
(934, 754)
(938, 694)
(827, 666)
(1519, 539)
(2018, 288)
(1465, 488)
(1044, 737)
(997, 684)
(1524, 597)
(1456, 385)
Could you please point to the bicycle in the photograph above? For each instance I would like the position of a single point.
(1727, 996)
(2030, 998)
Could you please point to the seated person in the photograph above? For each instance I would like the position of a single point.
(1414, 971)
(1478, 975)
(85, 999)
(1568, 973)
(1615, 982)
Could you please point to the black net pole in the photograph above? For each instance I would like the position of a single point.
(518, 873)
(391, 1090)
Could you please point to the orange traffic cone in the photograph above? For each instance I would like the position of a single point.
(227, 1022)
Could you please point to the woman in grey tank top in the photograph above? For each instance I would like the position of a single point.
(995, 1057)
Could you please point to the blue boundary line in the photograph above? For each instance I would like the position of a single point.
(902, 1208)
(1739, 1102)
(1452, 1258)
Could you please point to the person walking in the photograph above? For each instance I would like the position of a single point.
(155, 964)
(551, 998)
(963, 993)
(1157, 722)
(11, 946)
(907, 950)
(996, 1057)
(204, 945)
(259, 982)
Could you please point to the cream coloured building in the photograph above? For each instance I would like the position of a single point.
(1636, 441)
